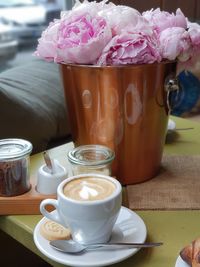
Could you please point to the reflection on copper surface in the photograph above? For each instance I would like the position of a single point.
(124, 108)
(87, 99)
(133, 102)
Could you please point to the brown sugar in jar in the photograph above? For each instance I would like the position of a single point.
(14, 167)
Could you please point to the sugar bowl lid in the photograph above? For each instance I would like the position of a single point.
(12, 148)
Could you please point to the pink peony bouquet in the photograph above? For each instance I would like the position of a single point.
(107, 34)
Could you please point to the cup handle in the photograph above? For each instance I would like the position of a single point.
(51, 216)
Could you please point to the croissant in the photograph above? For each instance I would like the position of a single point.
(191, 253)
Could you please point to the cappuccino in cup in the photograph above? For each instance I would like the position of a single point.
(88, 204)
(89, 189)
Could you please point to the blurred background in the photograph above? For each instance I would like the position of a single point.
(21, 24)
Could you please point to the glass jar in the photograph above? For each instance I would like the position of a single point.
(14, 166)
(91, 158)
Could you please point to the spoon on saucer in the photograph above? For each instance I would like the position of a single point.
(70, 246)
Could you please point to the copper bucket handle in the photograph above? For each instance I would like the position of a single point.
(171, 85)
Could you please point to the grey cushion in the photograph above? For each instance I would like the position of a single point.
(32, 104)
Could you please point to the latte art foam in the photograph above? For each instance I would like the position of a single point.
(89, 189)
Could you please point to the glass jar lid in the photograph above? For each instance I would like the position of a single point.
(91, 155)
(14, 148)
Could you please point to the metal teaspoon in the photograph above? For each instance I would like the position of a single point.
(74, 247)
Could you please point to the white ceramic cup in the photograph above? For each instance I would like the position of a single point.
(89, 221)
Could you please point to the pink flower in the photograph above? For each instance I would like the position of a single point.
(162, 20)
(47, 44)
(130, 48)
(104, 33)
(194, 32)
(120, 17)
(175, 43)
(192, 65)
(82, 37)
(93, 7)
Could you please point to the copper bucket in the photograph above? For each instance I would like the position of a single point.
(124, 108)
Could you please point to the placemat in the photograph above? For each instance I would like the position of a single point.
(177, 186)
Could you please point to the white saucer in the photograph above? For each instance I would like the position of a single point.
(128, 228)
(171, 125)
(181, 263)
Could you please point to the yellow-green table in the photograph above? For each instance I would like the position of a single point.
(174, 228)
